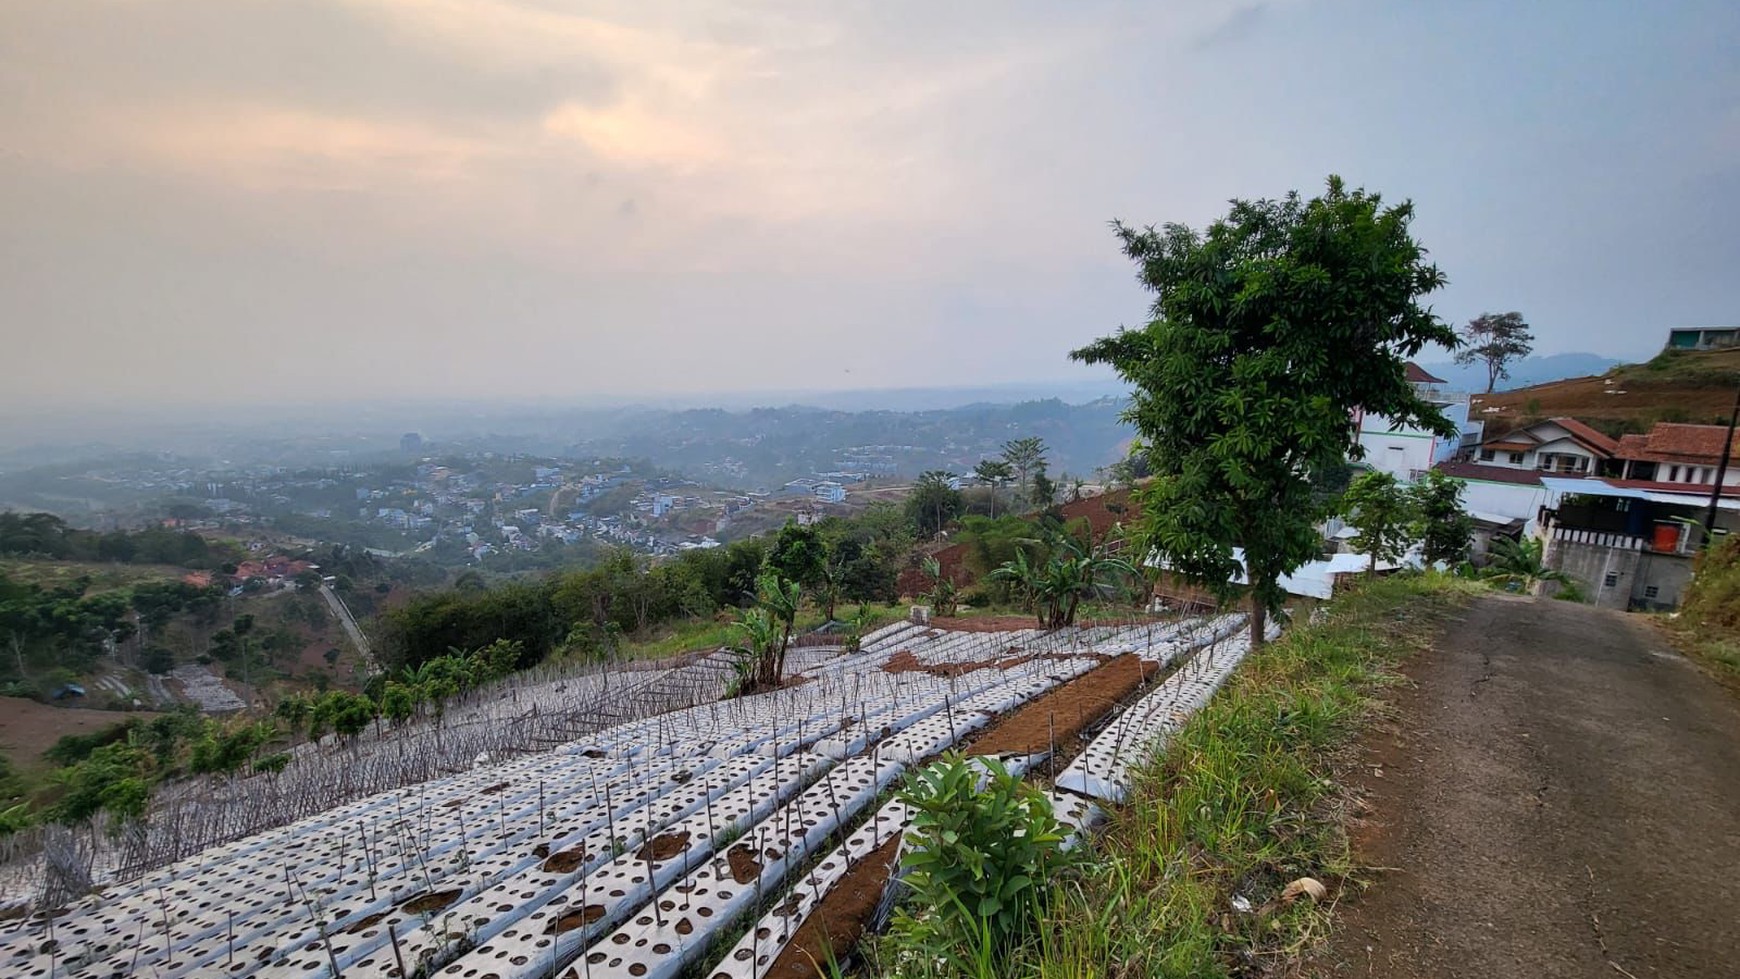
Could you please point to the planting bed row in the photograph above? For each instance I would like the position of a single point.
(621, 853)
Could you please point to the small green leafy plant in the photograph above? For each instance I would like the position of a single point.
(981, 847)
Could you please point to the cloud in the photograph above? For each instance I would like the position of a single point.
(425, 190)
(271, 148)
(631, 134)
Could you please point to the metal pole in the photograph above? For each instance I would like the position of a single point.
(1721, 472)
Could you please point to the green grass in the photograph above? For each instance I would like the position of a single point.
(1708, 626)
(104, 577)
(1688, 368)
(1243, 800)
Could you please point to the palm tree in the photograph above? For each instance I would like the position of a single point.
(1519, 563)
(993, 473)
(942, 588)
(830, 584)
(1069, 574)
(778, 598)
(1020, 573)
(753, 658)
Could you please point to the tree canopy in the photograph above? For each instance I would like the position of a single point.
(1382, 511)
(1269, 329)
(1494, 340)
(1444, 527)
(933, 502)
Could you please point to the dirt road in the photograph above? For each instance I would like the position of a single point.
(1559, 797)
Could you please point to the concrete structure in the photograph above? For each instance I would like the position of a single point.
(1628, 546)
(830, 492)
(1702, 337)
(1618, 571)
(1406, 452)
(1500, 494)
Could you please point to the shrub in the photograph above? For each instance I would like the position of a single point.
(158, 659)
(979, 857)
(74, 748)
(1713, 599)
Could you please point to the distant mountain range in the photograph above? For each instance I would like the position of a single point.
(1531, 370)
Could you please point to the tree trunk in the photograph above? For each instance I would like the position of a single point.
(1259, 616)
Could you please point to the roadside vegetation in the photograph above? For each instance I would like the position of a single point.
(1708, 624)
(1192, 878)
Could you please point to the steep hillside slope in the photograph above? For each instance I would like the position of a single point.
(1676, 386)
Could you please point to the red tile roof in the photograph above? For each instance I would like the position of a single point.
(1673, 442)
(1417, 375)
(1588, 436)
(1491, 474)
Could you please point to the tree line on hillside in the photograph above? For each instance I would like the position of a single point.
(117, 769)
(589, 612)
(54, 634)
(836, 560)
(1022, 465)
(44, 535)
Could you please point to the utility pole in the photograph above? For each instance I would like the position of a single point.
(1721, 471)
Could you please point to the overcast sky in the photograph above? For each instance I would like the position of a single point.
(215, 200)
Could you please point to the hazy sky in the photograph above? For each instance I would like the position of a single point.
(213, 200)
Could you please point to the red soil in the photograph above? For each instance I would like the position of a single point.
(837, 924)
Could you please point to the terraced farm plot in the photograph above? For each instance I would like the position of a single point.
(636, 849)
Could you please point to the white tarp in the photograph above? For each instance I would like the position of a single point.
(1316, 579)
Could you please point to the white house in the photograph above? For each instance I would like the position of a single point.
(1503, 480)
(1499, 495)
(830, 492)
(1407, 452)
(1560, 446)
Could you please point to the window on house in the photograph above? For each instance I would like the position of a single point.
(1673, 474)
(1516, 458)
(1487, 455)
(1611, 580)
(1651, 591)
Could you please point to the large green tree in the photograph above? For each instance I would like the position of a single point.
(798, 554)
(1269, 329)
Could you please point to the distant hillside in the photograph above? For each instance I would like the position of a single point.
(1531, 370)
(1676, 386)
